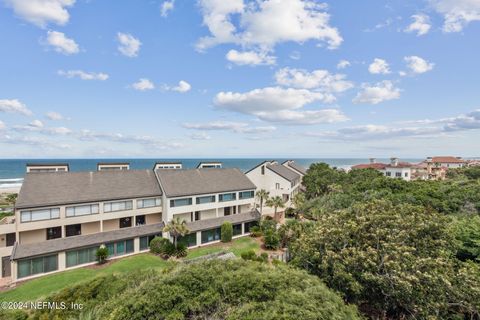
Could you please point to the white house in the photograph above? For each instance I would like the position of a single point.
(447, 162)
(394, 169)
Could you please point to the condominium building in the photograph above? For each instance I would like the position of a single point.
(61, 218)
(283, 180)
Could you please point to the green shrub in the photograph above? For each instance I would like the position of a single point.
(102, 254)
(255, 232)
(226, 232)
(263, 257)
(290, 212)
(157, 245)
(271, 240)
(181, 250)
(248, 255)
(169, 249)
(266, 225)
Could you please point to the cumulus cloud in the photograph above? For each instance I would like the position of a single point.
(143, 84)
(418, 65)
(379, 92)
(42, 12)
(182, 87)
(83, 75)
(260, 26)
(321, 80)
(379, 66)
(55, 116)
(128, 45)
(421, 24)
(14, 106)
(36, 124)
(199, 136)
(61, 43)
(276, 104)
(237, 127)
(39, 127)
(250, 58)
(166, 7)
(342, 64)
(457, 13)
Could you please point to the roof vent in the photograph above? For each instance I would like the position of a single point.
(209, 165)
(109, 166)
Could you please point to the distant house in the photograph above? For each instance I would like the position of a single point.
(282, 180)
(394, 169)
(447, 162)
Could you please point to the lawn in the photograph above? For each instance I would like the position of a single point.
(237, 246)
(44, 286)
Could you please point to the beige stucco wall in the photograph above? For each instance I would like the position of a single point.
(109, 225)
(184, 216)
(153, 218)
(91, 227)
(208, 214)
(33, 236)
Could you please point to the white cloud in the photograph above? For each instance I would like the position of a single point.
(2, 125)
(322, 80)
(182, 87)
(250, 58)
(418, 65)
(129, 45)
(36, 124)
(14, 106)
(237, 127)
(374, 94)
(264, 24)
(61, 43)
(457, 13)
(379, 66)
(421, 24)
(55, 116)
(166, 7)
(278, 104)
(83, 75)
(42, 12)
(200, 136)
(295, 55)
(342, 64)
(143, 85)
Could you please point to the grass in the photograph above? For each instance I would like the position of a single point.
(237, 246)
(41, 287)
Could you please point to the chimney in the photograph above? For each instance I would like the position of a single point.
(373, 160)
(394, 161)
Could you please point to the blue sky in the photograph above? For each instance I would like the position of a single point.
(239, 78)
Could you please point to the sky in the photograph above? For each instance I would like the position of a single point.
(239, 78)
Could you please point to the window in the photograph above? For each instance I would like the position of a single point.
(148, 203)
(398, 174)
(250, 224)
(211, 235)
(54, 233)
(30, 267)
(388, 174)
(207, 199)
(117, 206)
(227, 197)
(246, 194)
(73, 230)
(237, 229)
(190, 240)
(145, 241)
(82, 210)
(406, 174)
(140, 220)
(81, 256)
(120, 247)
(277, 186)
(180, 202)
(195, 216)
(37, 215)
(11, 238)
(125, 222)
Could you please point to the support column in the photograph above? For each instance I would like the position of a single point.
(136, 244)
(243, 227)
(61, 261)
(199, 238)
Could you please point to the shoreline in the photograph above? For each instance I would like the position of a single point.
(9, 190)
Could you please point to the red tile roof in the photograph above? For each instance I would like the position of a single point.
(378, 166)
(447, 159)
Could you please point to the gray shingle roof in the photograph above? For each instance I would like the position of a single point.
(284, 172)
(48, 189)
(217, 222)
(63, 244)
(183, 182)
(296, 166)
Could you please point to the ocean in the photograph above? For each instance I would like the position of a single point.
(12, 171)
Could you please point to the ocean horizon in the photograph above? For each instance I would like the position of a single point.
(12, 171)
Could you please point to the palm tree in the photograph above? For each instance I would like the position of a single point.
(11, 198)
(275, 202)
(262, 195)
(176, 228)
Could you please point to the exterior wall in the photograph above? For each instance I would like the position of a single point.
(451, 165)
(394, 170)
(33, 236)
(187, 216)
(91, 227)
(44, 168)
(109, 225)
(208, 214)
(153, 218)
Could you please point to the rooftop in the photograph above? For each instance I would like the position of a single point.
(186, 182)
(296, 166)
(447, 159)
(284, 172)
(49, 189)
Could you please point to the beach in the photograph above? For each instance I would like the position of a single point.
(9, 190)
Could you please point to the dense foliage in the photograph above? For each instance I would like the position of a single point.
(209, 290)
(101, 254)
(226, 232)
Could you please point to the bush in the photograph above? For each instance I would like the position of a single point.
(266, 225)
(248, 255)
(162, 246)
(290, 212)
(226, 232)
(271, 240)
(255, 232)
(102, 254)
(181, 250)
(263, 257)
